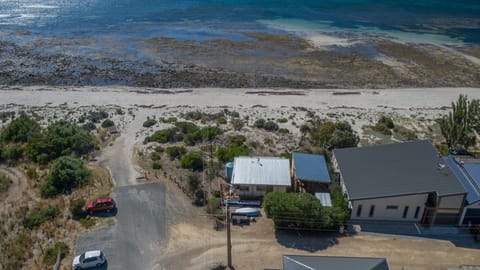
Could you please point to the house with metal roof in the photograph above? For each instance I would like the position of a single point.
(299, 262)
(253, 177)
(309, 172)
(468, 172)
(404, 181)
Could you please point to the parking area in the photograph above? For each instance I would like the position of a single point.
(139, 229)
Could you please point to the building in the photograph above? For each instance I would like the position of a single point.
(405, 181)
(253, 177)
(309, 172)
(297, 262)
(468, 172)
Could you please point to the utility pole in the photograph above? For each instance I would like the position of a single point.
(229, 240)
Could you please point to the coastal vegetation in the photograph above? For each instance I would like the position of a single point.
(302, 211)
(461, 126)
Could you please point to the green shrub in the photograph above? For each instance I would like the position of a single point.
(283, 131)
(175, 151)
(192, 160)
(155, 156)
(163, 136)
(225, 154)
(21, 129)
(107, 123)
(76, 207)
(234, 114)
(37, 218)
(270, 126)
(259, 123)
(282, 120)
(50, 256)
(5, 183)
(159, 149)
(96, 116)
(213, 205)
(156, 165)
(67, 173)
(150, 122)
(32, 172)
(193, 182)
(13, 153)
(87, 222)
(221, 120)
(89, 126)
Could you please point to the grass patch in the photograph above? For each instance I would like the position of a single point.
(5, 183)
(50, 256)
(87, 222)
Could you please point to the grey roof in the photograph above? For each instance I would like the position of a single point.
(297, 262)
(309, 167)
(395, 169)
(324, 198)
(261, 171)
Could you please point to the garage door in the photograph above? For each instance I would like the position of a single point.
(473, 215)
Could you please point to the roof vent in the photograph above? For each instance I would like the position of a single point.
(440, 166)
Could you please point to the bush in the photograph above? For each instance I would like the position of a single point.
(325, 133)
(36, 219)
(156, 165)
(89, 126)
(192, 160)
(193, 182)
(67, 173)
(163, 136)
(283, 131)
(271, 126)
(155, 156)
(304, 211)
(175, 151)
(21, 129)
(5, 183)
(61, 139)
(282, 120)
(50, 256)
(259, 123)
(221, 120)
(225, 154)
(213, 205)
(87, 222)
(76, 207)
(159, 149)
(95, 117)
(107, 123)
(13, 153)
(32, 172)
(237, 124)
(150, 122)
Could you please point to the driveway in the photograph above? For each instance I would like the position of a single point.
(140, 222)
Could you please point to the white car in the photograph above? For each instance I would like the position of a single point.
(93, 258)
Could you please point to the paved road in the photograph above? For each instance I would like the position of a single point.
(140, 221)
(139, 231)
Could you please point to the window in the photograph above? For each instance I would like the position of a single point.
(405, 212)
(372, 210)
(392, 207)
(417, 211)
(261, 188)
(359, 210)
(244, 188)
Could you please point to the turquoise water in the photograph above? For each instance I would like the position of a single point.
(206, 19)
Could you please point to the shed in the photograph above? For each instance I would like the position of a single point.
(309, 172)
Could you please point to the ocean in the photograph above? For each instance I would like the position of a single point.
(442, 21)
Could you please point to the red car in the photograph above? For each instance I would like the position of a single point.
(100, 205)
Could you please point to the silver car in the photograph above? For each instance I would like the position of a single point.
(93, 258)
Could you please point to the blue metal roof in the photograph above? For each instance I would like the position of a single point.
(309, 167)
(469, 176)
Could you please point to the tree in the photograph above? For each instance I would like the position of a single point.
(21, 129)
(192, 160)
(60, 139)
(332, 134)
(67, 173)
(107, 123)
(461, 124)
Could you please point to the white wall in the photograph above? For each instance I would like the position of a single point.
(382, 213)
(455, 201)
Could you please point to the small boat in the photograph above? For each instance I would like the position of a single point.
(248, 211)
